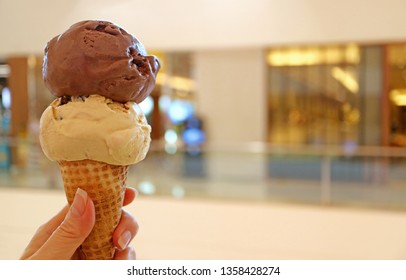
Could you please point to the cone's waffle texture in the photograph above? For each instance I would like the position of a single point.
(105, 184)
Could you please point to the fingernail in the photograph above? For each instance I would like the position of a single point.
(79, 203)
(124, 240)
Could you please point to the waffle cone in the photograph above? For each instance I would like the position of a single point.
(105, 184)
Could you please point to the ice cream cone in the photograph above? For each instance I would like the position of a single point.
(94, 128)
(105, 184)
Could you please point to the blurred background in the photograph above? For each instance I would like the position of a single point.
(278, 127)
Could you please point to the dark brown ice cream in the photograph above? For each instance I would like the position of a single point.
(98, 57)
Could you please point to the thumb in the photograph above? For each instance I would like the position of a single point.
(76, 226)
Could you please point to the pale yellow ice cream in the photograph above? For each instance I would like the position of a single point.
(94, 128)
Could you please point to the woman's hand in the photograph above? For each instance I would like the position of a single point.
(60, 237)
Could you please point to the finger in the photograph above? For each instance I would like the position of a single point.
(129, 196)
(126, 254)
(125, 231)
(77, 225)
(77, 255)
(44, 232)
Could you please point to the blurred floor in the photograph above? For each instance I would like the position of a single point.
(215, 229)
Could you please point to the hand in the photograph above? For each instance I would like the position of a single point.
(60, 237)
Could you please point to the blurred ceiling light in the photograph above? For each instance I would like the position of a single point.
(147, 187)
(171, 148)
(180, 110)
(345, 78)
(171, 136)
(296, 57)
(193, 136)
(314, 55)
(164, 103)
(178, 192)
(4, 70)
(398, 96)
(176, 82)
(352, 53)
(6, 98)
(333, 55)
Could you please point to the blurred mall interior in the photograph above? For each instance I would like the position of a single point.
(278, 127)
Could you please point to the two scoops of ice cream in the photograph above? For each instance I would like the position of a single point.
(94, 128)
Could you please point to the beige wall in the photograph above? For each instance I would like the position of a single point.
(201, 24)
(231, 95)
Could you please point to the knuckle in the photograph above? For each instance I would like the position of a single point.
(130, 222)
(69, 231)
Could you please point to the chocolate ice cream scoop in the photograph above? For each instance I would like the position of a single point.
(99, 57)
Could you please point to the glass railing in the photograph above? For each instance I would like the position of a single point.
(324, 175)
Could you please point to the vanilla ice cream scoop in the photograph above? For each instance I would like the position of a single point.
(94, 128)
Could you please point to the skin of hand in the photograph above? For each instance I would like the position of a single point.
(61, 236)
